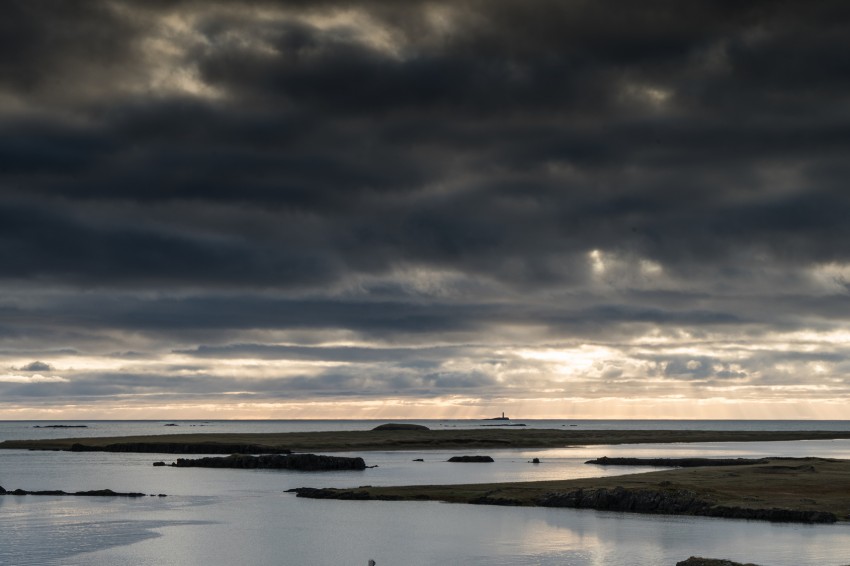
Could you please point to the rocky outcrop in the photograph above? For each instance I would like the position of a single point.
(470, 459)
(93, 493)
(675, 502)
(697, 561)
(676, 462)
(620, 499)
(180, 448)
(401, 426)
(345, 494)
(303, 462)
(492, 499)
(324, 493)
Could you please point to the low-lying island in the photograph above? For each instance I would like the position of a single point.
(404, 439)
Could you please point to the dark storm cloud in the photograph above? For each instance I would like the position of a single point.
(328, 124)
(36, 366)
(424, 173)
(219, 317)
(331, 354)
(46, 46)
(171, 387)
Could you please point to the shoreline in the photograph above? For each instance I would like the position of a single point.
(391, 440)
(800, 490)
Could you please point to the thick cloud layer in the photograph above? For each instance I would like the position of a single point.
(213, 203)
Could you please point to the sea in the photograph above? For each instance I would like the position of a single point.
(230, 517)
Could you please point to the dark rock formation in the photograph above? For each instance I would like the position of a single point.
(470, 459)
(676, 462)
(158, 464)
(492, 500)
(401, 426)
(675, 502)
(697, 561)
(345, 494)
(93, 493)
(324, 493)
(180, 448)
(418, 460)
(535, 460)
(620, 499)
(62, 426)
(303, 462)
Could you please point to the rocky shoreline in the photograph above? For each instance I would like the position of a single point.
(798, 490)
(677, 502)
(676, 462)
(699, 561)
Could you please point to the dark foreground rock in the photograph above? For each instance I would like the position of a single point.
(675, 502)
(93, 493)
(180, 448)
(303, 462)
(697, 561)
(676, 462)
(470, 459)
(322, 493)
(401, 426)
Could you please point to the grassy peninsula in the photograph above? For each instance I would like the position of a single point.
(336, 441)
(809, 490)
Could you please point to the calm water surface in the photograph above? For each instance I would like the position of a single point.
(225, 517)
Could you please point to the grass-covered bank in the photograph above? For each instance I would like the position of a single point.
(330, 441)
(808, 490)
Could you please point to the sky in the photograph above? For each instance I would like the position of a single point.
(424, 209)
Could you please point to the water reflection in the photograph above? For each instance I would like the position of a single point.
(218, 517)
(282, 530)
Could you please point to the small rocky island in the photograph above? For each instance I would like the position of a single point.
(502, 418)
(466, 459)
(92, 493)
(400, 426)
(302, 462)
